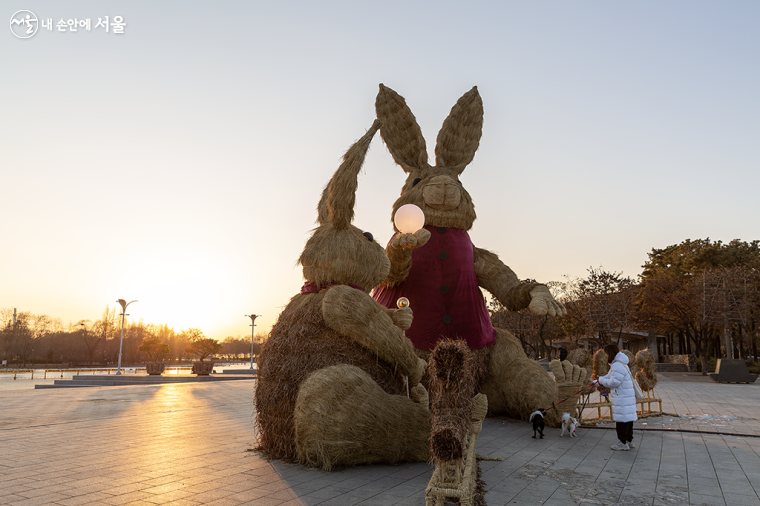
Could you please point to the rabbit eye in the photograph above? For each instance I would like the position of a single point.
(416, 180)
(368, 235)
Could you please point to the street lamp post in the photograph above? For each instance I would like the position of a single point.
(124, 305)
(253, 324)
(84, 335)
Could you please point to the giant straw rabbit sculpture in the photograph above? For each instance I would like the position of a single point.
(334, 376)
(439, 269)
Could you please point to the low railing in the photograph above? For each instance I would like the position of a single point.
(45, 372)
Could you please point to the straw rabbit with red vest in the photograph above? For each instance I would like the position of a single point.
(439, 269)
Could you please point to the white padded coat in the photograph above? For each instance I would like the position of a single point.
(618, 382)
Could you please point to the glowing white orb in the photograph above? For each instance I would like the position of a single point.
(409, 219)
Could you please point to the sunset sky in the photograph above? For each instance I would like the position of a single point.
(180, 163)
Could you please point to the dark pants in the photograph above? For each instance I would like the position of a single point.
(624, 431)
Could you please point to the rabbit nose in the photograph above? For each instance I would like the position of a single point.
(442, 193)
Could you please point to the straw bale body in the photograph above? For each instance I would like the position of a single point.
(647, 376)
(452, 387)
(441, 271)
(332, 377)
(581, 358)
(631, 358)
(601, 367)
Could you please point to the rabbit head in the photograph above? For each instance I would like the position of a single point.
(435, 189)
(337, 251)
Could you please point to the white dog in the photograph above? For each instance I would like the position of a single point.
(569, 424)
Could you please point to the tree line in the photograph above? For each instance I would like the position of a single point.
(702, 297)
(40, 339)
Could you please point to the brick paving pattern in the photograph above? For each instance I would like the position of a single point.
(187, 444)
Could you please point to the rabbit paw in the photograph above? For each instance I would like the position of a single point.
(420, 395)
(410, 241)
(566, 373)
(416, 376)
(543, 303)
(402, 318)
(570, 380)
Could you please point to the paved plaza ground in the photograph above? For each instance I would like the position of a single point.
(187, 444)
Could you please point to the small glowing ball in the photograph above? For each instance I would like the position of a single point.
(402, 302)
(409, 219)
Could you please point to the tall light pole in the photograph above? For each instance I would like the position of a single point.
(124, 305)
(253, 324)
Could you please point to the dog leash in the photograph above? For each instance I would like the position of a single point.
(563, 400)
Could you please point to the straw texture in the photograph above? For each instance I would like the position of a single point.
(516, 386)
(570, 380)
(501, 281)
(333, 375)
(460, 134)
(631, 358)
(600, 364)
(452, 387)
(457, 419)
(400, 131)
(582, 358)
(344, 418)
(301, 332)
(337, 203)
(647, 376)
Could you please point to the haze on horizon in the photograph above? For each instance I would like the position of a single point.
(180, 163)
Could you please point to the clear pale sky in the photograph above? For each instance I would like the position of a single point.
(181, 162)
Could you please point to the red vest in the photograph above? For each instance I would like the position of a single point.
(443, 292)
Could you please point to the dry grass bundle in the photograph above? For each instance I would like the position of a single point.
(452, 387)
(343, 417)
(337, 203)
(461, 131)
(647, 376)
(478, 364)
(631, 358)
(580, 357)
(600, 364)
(299, 344)
(400, 131)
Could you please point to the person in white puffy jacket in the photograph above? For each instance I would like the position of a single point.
(619, 383)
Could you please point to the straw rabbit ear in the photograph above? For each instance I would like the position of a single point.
(460, 134)
(400, 131)
(337, 203)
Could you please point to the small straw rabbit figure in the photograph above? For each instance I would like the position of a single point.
(334, 373)
(441, 272)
